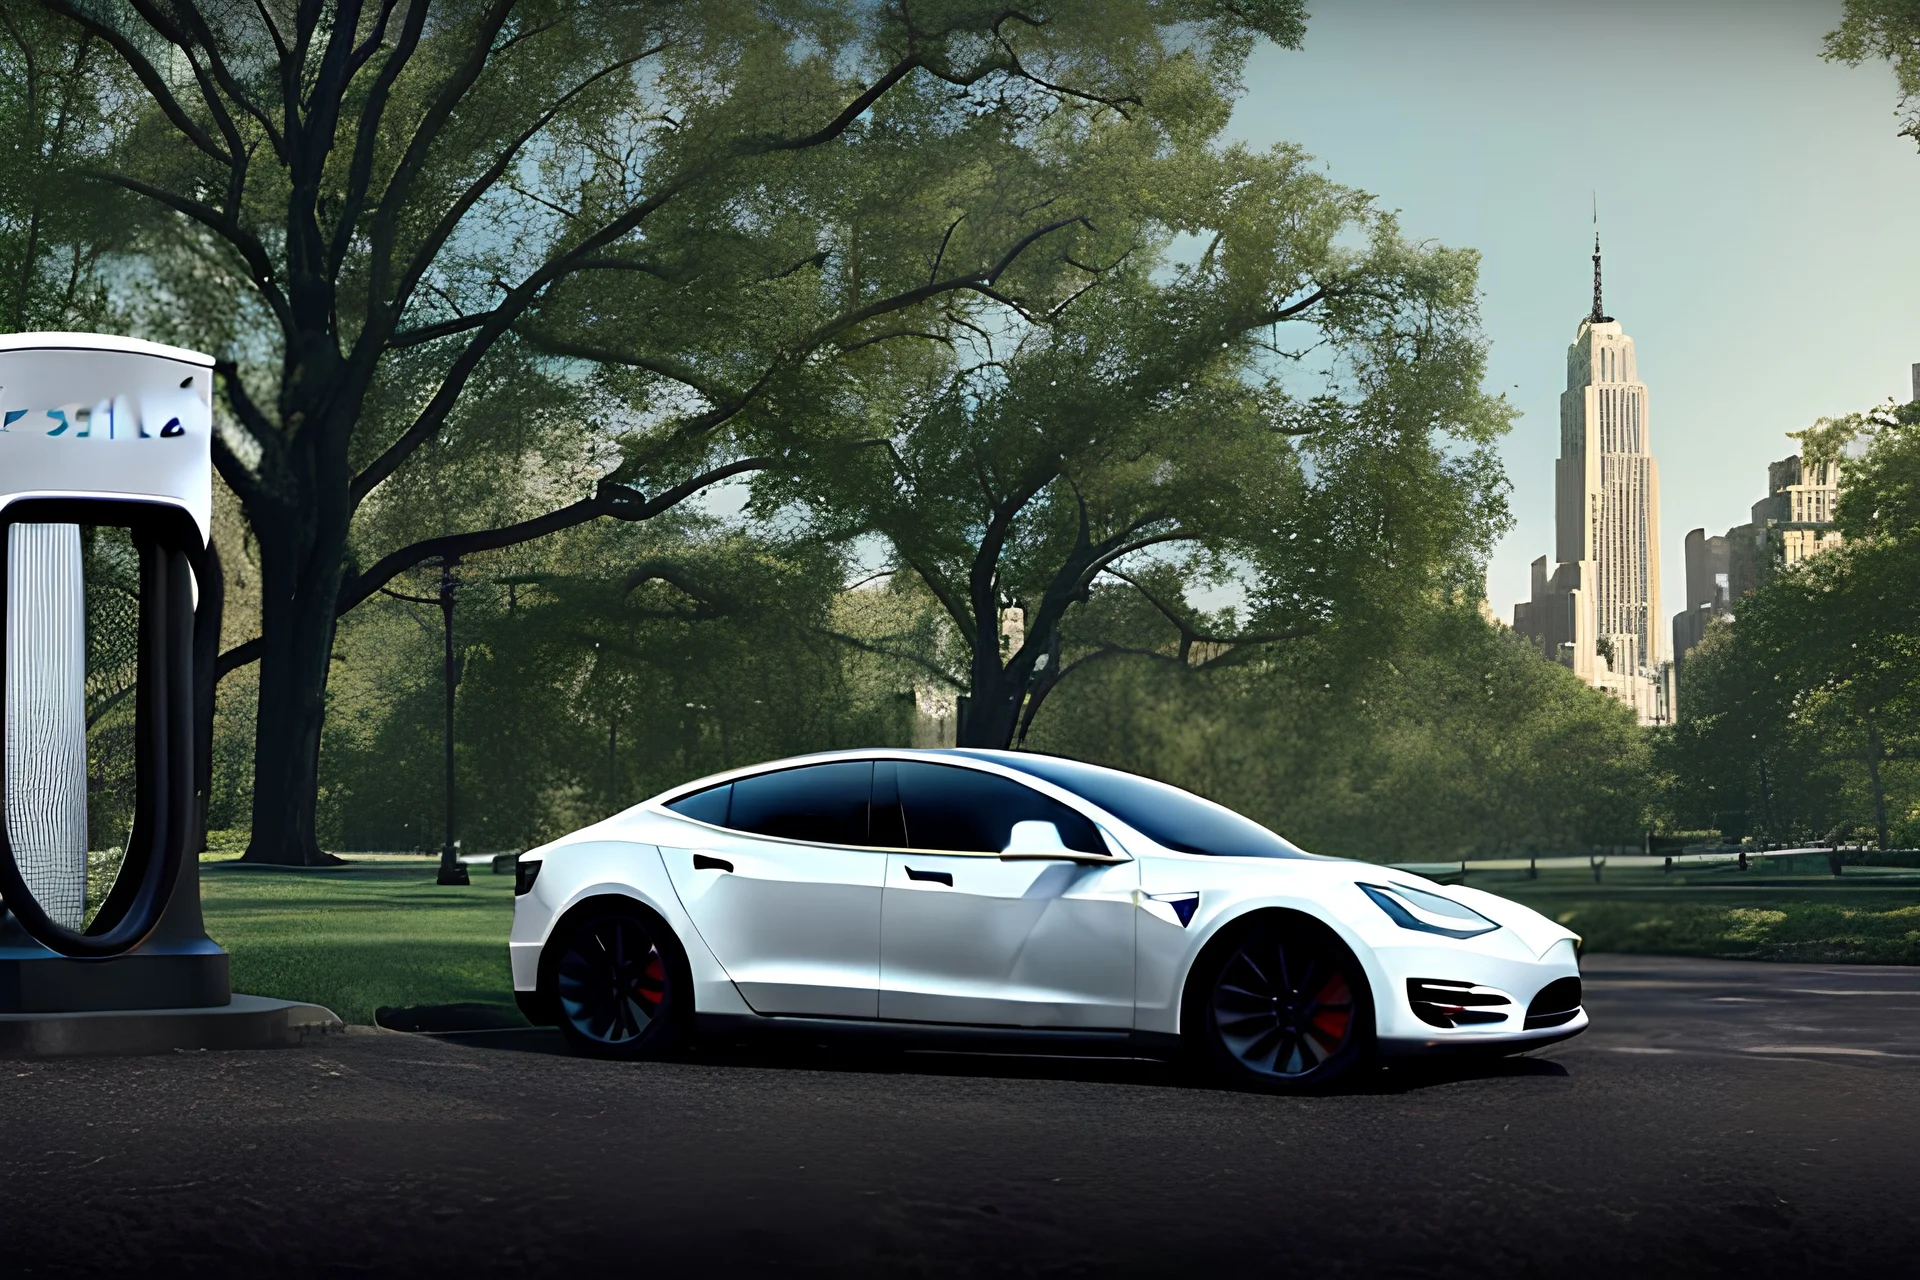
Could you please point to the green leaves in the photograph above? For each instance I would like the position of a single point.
(1816, 688)
(62, 100)
(1446, 739)
(1883, 29)
(1158, 422)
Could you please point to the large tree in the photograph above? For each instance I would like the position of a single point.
(371, 204)
(1292, 414)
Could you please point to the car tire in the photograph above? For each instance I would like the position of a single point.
(621, 985)
(1281, 1004)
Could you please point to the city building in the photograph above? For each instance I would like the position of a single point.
(1792, 523)
(1597, 610)
(1709, 591)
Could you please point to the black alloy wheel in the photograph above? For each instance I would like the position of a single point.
(1288, 1007)
(620, 987)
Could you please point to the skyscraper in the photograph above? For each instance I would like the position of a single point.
(1793, 523)
(1598, 611)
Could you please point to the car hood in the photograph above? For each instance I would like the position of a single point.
(1535, 931)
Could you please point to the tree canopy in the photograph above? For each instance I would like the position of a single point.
(1294, 412)
(653, 228)
(973, 298)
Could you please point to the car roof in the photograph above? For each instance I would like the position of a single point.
(1005, 759)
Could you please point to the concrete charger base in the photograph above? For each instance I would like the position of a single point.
(248, 1022)
(170, 993)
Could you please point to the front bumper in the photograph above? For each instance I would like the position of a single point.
(1498, 962)
(1492, 1043)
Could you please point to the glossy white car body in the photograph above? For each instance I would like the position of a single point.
(1070, 948)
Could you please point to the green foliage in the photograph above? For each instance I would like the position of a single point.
(63, 102)
(604, 666)
(982, 282)
(1457, 741)
(467, 264)
(1889, 30)
(1805, 713)
(1154, 432)
(1759, 929)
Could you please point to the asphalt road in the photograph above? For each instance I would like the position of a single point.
(1720, 1118)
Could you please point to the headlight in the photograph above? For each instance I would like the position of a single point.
(1428, 912)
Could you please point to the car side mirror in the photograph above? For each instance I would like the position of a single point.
(1040, 841)
(1035, 839)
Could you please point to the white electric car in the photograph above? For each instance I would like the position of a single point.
(997, 898)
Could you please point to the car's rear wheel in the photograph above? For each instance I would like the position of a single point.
(620, 985)
(1286, 1007)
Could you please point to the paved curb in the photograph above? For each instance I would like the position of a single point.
(248, 1022)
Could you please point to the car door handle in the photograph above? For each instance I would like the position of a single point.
(938, 877)
(701, 862)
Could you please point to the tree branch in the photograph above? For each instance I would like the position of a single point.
(199, 35)
(614, 500)
(672, 369)
(884, 652)
(150, 79)
(440, 329)
(251, 251)
(360, 172)
(1101, 562)
(235, 658)
(399, 186)
(430, 246)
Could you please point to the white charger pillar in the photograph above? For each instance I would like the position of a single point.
(46, 724)
(112, 434)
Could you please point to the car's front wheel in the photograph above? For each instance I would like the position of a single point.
(1286, 1007)
(620, 985)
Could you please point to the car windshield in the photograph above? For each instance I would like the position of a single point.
(1164, 814)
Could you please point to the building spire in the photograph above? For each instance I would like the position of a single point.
(1599, 315)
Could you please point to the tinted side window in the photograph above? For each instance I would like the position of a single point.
(948, 807)
(824, 803)
(1172, 817)
(706, 806)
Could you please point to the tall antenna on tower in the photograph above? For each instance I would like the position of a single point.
(1599, 315)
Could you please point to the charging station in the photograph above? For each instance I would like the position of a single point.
(110, 607)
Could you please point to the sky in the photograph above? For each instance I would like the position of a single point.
(1756, 210)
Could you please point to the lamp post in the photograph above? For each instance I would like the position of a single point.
(452, 870)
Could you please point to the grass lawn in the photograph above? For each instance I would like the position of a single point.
(375, 932)
(1865, 916)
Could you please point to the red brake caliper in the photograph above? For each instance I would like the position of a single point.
(1336, 1009)
(653, 982)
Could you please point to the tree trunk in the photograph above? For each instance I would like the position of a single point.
(993, 703)
(299, 587)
